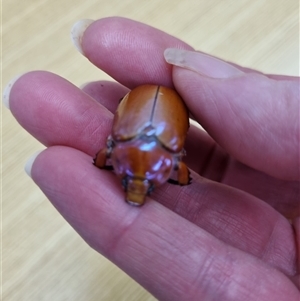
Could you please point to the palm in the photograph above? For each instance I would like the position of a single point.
(220, 240)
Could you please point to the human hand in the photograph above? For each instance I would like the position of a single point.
(224, 237)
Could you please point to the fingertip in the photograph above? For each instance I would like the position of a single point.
(129, 51)
(30, 162)
(7, 90)
(78, 31)
(201, 63)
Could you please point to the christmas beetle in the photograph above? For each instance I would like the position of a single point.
(147, 139)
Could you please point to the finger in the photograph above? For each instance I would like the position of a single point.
(254, 118)
(232, 216)
(131, 52)
(58, 113)
(117, 45)
(169, 256)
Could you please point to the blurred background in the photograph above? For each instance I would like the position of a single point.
(43, 258)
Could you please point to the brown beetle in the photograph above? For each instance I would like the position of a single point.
(146, 144)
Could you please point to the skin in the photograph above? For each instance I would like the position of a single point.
(225, 236)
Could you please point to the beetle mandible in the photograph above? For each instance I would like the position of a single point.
(146, 144)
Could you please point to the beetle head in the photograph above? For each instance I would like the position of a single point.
(142, 164)
(136, 190)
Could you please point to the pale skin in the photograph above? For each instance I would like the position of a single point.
(233, 234)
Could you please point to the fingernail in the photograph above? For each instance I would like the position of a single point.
(30, 161)
(201, 63)
(7, 89)
(77, 32)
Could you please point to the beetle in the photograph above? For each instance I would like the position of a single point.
(146, 144)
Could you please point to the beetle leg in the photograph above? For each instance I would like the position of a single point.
(100, 158)
(183, 174)
(104, 154)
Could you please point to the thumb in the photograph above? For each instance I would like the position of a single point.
(254, 117)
